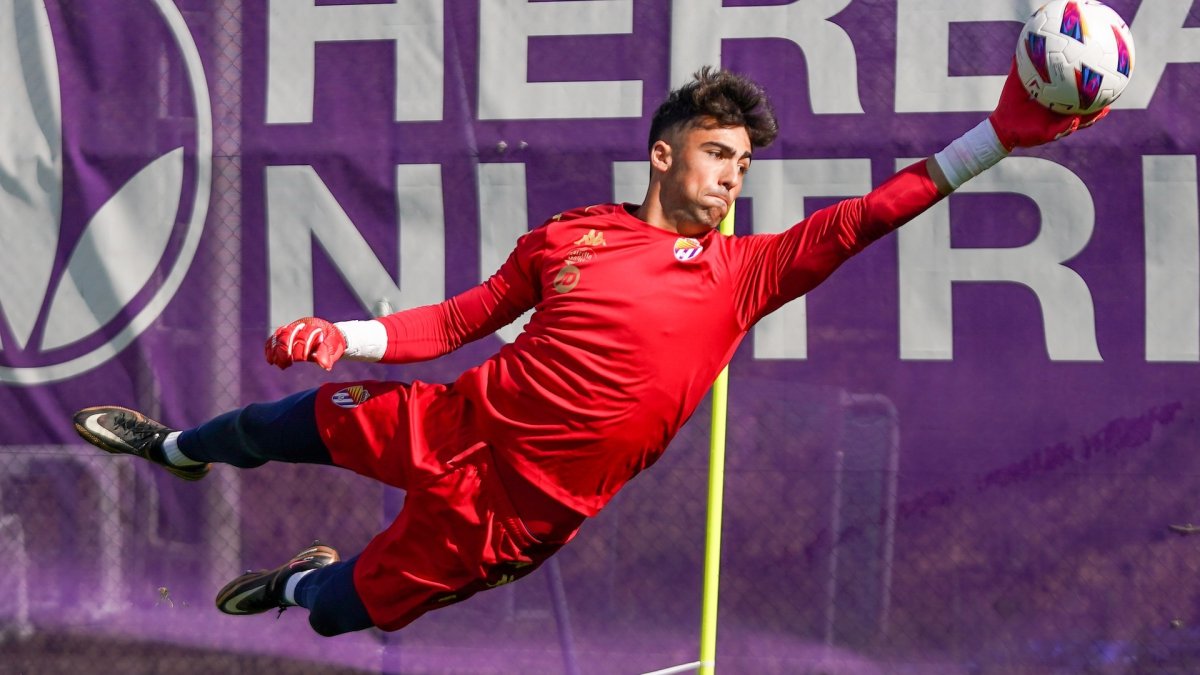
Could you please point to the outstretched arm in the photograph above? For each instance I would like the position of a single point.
(428, 332)
(787, 265)
(1017, 122)
(421, 333)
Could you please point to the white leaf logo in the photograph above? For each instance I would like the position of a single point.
(118, 252)
(30, 163)
(124, 243)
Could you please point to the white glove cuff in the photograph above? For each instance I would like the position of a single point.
(971, 154)
(365, 340)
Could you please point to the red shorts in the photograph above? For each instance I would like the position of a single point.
(458, 532)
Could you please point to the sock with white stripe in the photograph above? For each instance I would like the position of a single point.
(173, 454)
(289, 591)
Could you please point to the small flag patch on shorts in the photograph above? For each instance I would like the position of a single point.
(350, 397)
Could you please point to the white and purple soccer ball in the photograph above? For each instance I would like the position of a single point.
(1075, 56)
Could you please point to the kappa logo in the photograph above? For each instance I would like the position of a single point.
(94, 249)
(687, 249)
(350, 397)
(592, 238)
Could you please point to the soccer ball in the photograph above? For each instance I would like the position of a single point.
(1075, 56)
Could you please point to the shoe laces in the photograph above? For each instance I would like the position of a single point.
(138, 432)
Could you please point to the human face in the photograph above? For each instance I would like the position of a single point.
(703, 173)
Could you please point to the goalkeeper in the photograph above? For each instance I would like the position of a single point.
(637, 308)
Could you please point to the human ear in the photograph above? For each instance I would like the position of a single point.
(660, 156)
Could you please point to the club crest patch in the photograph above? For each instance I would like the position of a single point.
(687, 249)
(351, 397)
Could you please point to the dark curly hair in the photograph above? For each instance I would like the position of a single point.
(728, 99)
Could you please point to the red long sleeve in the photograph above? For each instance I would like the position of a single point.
(424, 333)
(782, 267)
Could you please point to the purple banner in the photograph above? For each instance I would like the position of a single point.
(191, 174)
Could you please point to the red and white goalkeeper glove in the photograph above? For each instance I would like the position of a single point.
(1017, 122)
(1021, 122)
(307, 339)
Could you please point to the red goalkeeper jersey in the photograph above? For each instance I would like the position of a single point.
(631, 326)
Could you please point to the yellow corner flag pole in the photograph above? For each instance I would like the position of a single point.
(716, 485)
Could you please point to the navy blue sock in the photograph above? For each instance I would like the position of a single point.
(333, 604)
(285, 431)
